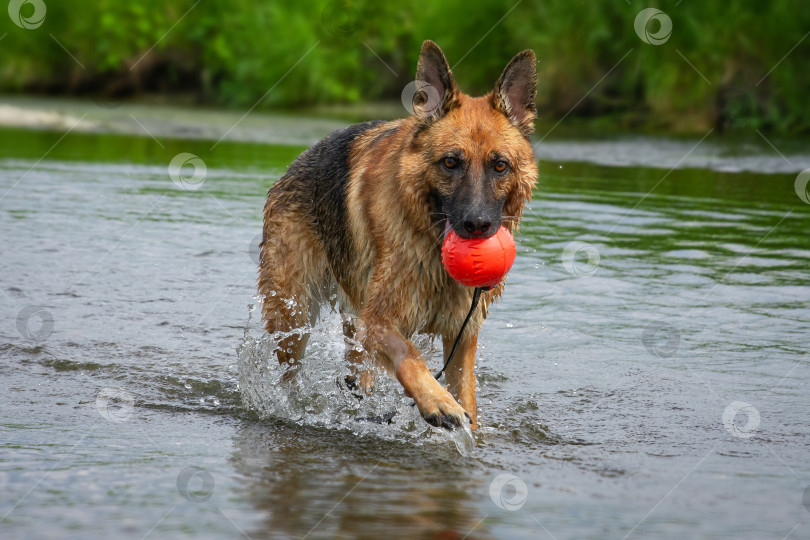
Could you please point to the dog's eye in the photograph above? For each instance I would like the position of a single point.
(450, 162)
(500, 166)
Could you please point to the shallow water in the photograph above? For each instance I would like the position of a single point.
(644, 376)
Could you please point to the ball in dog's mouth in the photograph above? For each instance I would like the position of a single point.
(478, 262)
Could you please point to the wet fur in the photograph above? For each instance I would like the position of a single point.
(362, 214)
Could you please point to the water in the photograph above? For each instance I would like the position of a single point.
(645, 375)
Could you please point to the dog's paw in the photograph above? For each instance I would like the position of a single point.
(367, 378)
(443, 411)
(364, 383)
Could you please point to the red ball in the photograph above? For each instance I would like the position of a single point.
(478, 262)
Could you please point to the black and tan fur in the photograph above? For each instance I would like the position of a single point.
(362, 214)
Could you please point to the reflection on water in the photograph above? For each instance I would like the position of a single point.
(644, 375)
(325, 484)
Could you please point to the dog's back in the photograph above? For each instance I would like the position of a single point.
(316, 183)
(314, 195)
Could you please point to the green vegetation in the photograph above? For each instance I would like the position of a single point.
(591, 60)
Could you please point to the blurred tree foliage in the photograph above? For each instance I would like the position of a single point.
(724, 64)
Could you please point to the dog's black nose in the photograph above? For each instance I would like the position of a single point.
(478, 225)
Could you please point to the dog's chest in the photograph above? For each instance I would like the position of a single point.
(431, 302)
(408, 271)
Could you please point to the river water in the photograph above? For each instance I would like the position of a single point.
(645, 375)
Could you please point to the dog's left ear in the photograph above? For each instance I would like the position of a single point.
(515, 92)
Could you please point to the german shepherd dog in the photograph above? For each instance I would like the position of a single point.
(359, 218)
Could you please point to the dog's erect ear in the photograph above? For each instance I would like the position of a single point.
(436, 91)
(515, 92)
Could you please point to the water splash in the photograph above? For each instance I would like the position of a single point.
(314, 392)
(464, 441)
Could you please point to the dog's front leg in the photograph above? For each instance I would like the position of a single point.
(461, 372)
(402, 358)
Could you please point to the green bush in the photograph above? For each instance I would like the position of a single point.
(309, 52)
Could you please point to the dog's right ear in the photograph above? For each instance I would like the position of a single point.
(436, 91)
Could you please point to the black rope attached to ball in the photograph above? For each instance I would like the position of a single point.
(476, 297)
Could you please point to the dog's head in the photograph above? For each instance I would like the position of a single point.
(475, 153)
